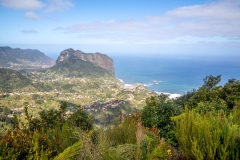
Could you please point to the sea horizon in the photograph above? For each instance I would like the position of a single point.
(173, 75)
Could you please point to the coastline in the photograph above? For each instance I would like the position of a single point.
(170, 95)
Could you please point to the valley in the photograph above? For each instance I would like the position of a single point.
(77, 82)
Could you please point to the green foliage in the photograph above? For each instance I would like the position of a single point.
(157, 113)
(43, 87)
(210, 82)
(184, 99)
(210, 92)
(124, 132)
(207, 136)
(21, 143)
(77, 68)
(42, 138)
(231, 92)
(53, 117)
(6, 111)
(236, 111)
(208, 130)
(162, 152)
(12, 81)
(148, 144)
(35, 96)
(212, 107)
(70, 152)
(81, 119)
(23, 58)
(95, 144)
(121, 152)
(40, 101)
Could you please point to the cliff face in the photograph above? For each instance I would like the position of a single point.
(98, 59)
(24, 59)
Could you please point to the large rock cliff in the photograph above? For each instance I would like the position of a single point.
(98, 59)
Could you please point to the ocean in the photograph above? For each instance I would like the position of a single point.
(174, 75)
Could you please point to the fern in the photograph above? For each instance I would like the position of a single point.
(70, 152)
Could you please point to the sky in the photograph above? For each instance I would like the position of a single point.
(186, 27)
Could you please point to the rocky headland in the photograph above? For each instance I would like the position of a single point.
(98, 59)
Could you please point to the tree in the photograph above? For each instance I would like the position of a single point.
(157, 113)
(81, 119)
(53, 117)
(210, 81)
(231, 92)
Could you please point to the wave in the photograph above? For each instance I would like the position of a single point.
(154, 82)
(170, 95)
(147, 85)
(120, 80)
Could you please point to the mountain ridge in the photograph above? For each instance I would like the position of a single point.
(18, 59)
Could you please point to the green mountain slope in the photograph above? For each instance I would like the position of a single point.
(13, 81)
(77, 68)
(18, 59)
(98, 59)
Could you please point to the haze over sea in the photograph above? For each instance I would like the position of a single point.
(174, 74)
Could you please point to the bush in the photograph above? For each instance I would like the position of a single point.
(122, 152)
(123, 133)
(157, 113)
(81, 119)
(207, 136)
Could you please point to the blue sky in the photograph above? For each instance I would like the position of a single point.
(199, 27)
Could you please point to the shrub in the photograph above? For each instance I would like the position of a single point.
(207, 136)
(157, 113)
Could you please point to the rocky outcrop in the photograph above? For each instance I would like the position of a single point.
(98, 59)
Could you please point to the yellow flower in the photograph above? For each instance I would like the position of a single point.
(169, 151)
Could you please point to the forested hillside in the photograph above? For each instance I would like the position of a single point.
(18, 59)
(202, 124)
(13, 81)
(76, 68)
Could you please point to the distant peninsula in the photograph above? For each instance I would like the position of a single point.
(24, 59)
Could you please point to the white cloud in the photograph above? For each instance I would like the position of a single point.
(219, 19)
(22, 4)
(31, 15)
(30, 5)
(31, 31)
(55, 5)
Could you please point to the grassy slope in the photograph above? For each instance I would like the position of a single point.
(12, 81)
(77, 68)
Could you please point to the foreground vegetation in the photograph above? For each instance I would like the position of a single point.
(202, 124)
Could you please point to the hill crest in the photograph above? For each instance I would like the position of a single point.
(98, 59)
(18, 59)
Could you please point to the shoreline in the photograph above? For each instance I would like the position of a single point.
(170, 95)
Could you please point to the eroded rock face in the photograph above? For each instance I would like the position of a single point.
(99, 59)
